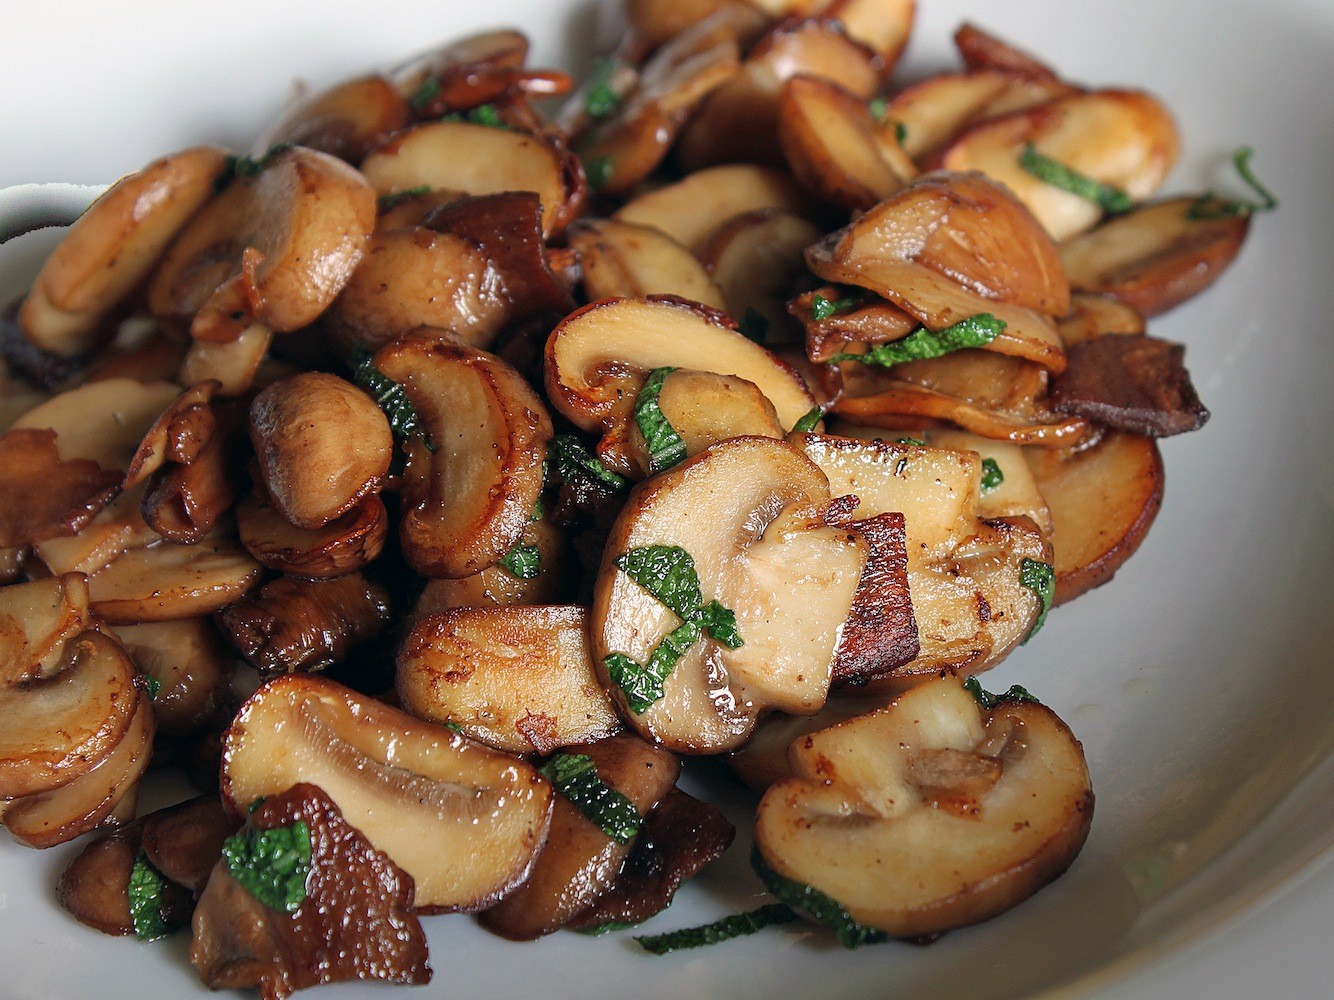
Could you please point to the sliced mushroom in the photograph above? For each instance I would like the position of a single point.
(36, 620)
(184, 502)
(467, 502)
(930, 814)
(755, 259)
(1154, 257)
(864, 321)
(625, 259)
(232, 365)
(964, 573)
(354, 920)
(1122, 138)
(293, 626)
(880, 635)
(1094, 316)
(1017, 493)
(323, 445)
(1103, 500)
(517, 679)
(113, 246)
(276, 247)
(118, 527)
(464, 821)
(149, 354)
(43, 497)
(184, 841)
(474, 70)
(191, 665)
(177, 435)
(749, 514)
(344, 545)
(347, 120)
(103, 422)
(164, 582)
(652, 23)
(982, 50)
(94, 887)
(580, 861)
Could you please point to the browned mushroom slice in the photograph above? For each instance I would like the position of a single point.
(965, 575)
(102, 421)
(42, 496)
(275, 247)
(150, 354)
(478, 69)
(679, 837)
(1121, 138)
(464, 821)
(344, 545)
(881, 25)
(504, 48)
(292, 625)
(581, 859)
(691, 209)
(322, 444)
(57, 816)
(476, 159)
(184, 502)
(1010, 489)
(745, 518)
(346, 120)
(1154, 257)
(755, 259)
(880, 635)
(518, 679)
(59, 727)
(94, 887)
(113, 247)
(652, 23)
(835, 148)
(1094, 316)
(184, 841)
(120, 526)
(36, 620)
(164, 582)
(232, 365)
(864, 321)
(624, 259)
(982, 50)
(1130, 382)
(177, 435)
(467, 502)
(1103, 500)
(191, 665)
(351, 918)
(980, 808)
(739, 121)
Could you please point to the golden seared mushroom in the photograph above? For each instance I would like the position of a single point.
(881, 25)
(475, 70)
(294, 626)
(36, 620)
(112, 248)
(623, 259)
(1103, 501)
(755, 259)
(301, 897)
(739, 121)
(110, 887)
(880, 635)
(1008, 487)
(275, 248)
(178, 435)
(723, 594)
(845, 317)
(690, 210)
(233, 365)
(652, 23)
(44, 497)
(164, 582)
(604, 791)
(1155, 256)
(184, 841)
(322, 445)
(464, 821)
(1094, 316)
(118, 527)
(976, 585)
(344, 545)
(472, 482)
(105, 421)
(981, 50)
(1118, 144)
(517, 679)
(184, 501)
(835, 147)
(190, 668)
(347, 120)
(928, 815)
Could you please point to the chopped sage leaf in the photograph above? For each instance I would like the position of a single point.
(523, 562)
(720, 623)
(975, 331)
(390, 397)
(248, 166)
(483, 114)
(1212, 206)
(988, 701)
(387, 201)
(737, 925)
(900, 132)
(423, 96)
(665, 447)
(576, 778)
(453, 727)
(809, 900)
(272, 865)
(668, 573)
(600, 100)
(1040, 578)
(808, 421)
(1110, 199)
(597, 930)
(753, 325)
(152, 685)
(823, 308)
(915, 442)
(643, 683)
(991, 474)
(879, 107)
(145, 892)
(598, 171)
(571, 457)
(540, 507)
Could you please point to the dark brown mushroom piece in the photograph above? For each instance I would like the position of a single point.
(186, 497)
(43, 497)
(880, 634)
(184, 841)
(95, 887)
(1133, 382)
(354, 919)
(344, 545)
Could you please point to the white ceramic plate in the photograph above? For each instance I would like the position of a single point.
(1199, 680)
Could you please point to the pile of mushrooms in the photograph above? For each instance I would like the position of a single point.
(439, 476)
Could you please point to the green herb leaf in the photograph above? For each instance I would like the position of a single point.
(248, 166)
(720, 623)
(485, 114)
(643, 682)
(823, 308)
(272, 865)
(600, 100)
(453, 727)
(571, 458)
(597, 930)
(1110, 199)
(737, 925)
(900, 132)
(975, 331)
(820, 906)
(668, 573)
(387, 201)
(991, 474)
(1211, 206)
(808, 421)
(598, 171)
(915, 442)
(152, 685)
(878, 107)
(390, 397)
(1040, 578)
(665, 447)
(423, 96)
(575, 776)
(523, 562)
(988, 701)
(145, 892)
(753, 325)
